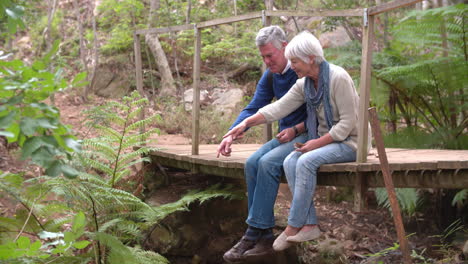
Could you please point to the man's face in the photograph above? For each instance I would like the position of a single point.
(273, 57)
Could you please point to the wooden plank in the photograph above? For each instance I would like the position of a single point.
(227, 20)
(316, 13)
(390, 6)
(196, 93)
(364, 90)
(164, 30)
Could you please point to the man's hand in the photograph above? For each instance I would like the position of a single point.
(286, 135)
(224, 147)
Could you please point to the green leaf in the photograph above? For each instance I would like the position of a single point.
(69, 172)
(73, 144)
(52, 52)
(23, 242)
(28, 126)
(46, 123)
(5, 121)
(78, 78)
(55, 169)
(43, 156)
(39, 65)
(68, 237)
(79, 223)
(36, 246)
(30, 146)
(81, 244)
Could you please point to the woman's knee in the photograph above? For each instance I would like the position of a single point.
(309, 163)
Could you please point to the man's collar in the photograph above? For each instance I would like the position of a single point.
(288, 65)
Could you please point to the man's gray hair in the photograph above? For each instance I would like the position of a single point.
(272, 34)
(303, 46)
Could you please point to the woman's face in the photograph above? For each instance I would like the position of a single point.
(300, 67)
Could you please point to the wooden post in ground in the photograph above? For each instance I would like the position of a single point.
(196, 93)
(267, 128)
(139, 74)
(364, 95)
(389, 186)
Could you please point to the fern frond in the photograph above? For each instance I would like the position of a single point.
(144, 256)
(154, 216)
(56, 223)
(134, 113)
(139, 102)
(97, 165)
(99, 145)
(141, 123)
(108, 131)
(122, 173)
(110, 224)
(118, 252)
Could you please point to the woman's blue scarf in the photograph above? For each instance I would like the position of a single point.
(314, 98)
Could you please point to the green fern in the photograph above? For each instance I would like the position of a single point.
(113, 153)
(425, 67)
(408, 199)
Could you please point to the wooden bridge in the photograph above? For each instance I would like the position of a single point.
(410, 168)
(415, 168)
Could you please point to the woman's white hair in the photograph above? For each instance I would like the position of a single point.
(303, 46)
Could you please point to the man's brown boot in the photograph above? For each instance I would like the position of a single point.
(236, 253)
(264, 246)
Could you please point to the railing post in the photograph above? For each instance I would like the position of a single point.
(360, 185)
(196, 93)
(267, 128)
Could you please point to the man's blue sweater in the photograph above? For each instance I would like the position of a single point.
(264, 95)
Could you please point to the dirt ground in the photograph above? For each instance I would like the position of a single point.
(347, 236)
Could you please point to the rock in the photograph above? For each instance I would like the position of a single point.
(188, 98)
(207, 229)
(226, 100)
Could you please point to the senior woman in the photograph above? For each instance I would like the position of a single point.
(332, 114)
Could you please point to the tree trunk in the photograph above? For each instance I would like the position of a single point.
(92, 78)
(189, 9)
(167, 81)
(81, 33)
(50, 18)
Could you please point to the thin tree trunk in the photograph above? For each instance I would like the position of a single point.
(50, 18)
(80, 33)
(168, 87)
(189, 9)
(92, 78)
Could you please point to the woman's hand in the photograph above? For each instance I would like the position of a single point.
(237, 132)
(315, 143)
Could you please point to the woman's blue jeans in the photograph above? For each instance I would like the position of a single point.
(263, 171)
(301, 173)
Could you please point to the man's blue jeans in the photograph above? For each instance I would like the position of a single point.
(263, 172)
(301, 173)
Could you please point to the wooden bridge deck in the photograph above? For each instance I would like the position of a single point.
(416, 168)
